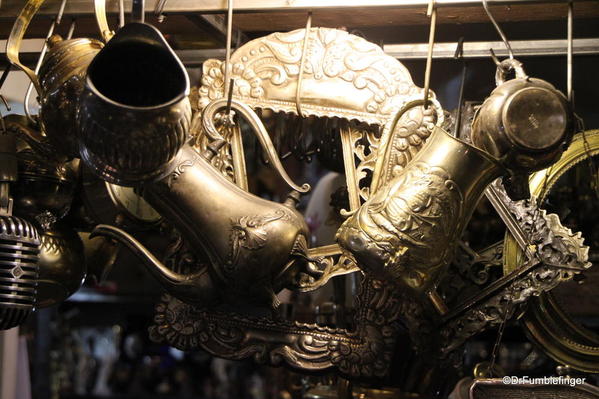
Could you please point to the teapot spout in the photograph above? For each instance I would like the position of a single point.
(197, 288)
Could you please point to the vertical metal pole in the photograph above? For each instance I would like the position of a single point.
(228, 51)
(431, 12)
(121, 13)
(570, 45)
(56, 22)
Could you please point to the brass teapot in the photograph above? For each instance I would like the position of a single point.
(60, 82)
(525, 122)
(255, 247)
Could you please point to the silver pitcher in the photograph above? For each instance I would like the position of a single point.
(408, 229)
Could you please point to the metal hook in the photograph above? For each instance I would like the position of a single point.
(498, 29)
(494, 58)
(71, 29)
(159, 9)
(298, 91)
(5, 75)
(121, 13)
(55, 23)
(138, 11)
(228, 50)
(3, 125)
(570, 48)
(432, 13)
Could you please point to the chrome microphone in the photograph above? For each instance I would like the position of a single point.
(19, 249)
(19, 246)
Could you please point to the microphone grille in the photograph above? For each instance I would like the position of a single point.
(19, 254)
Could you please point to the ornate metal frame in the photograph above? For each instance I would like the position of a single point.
(544, 322)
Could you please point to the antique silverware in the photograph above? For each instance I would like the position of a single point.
(407, 230)
(60, 81)
(525, 122)
(134, 113)
(62, 266)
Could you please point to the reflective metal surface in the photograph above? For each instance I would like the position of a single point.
(62, 266)
(135, 98)
(408, 229)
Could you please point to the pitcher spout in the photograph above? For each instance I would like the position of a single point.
(195, 288)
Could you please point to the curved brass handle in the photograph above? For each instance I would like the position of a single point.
(507, 65)
(13, 44)
(100, 11)
(257, 127)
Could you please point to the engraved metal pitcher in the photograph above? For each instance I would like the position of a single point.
(60, 81)
(134, 113)
(254, 247)
(408, 229)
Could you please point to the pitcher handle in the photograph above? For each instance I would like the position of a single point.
(257, 128)
(509, 65)
(102, 21)
(13, 44)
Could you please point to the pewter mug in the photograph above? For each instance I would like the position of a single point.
(134, 113)
(525, 121)
(408, 229)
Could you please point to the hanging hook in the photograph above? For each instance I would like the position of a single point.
(71, 29)
(498, 29)
(570, 48)
(121, 13)
(432, 13)
(298, 91)
(3, 125)
(5, 75)
(158, 10)
(228, 50)
(55, 23)
(138, 11)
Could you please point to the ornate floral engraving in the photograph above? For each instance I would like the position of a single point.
(559, 254)
(401, 141)
(355, 77)
(365, 352)
(248, 232)
(406, 229)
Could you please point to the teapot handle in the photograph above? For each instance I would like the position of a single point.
(507, 65)
(13, 44)
(100, 11)
(212, 109)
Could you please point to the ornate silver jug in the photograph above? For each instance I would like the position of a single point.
(134, 113)
(60, 81)
(407, 230)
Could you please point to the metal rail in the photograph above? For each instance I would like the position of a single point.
(523, 48)
(11, 8)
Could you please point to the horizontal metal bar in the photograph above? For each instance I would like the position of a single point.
(11, 8)
(481, 49)
(522, 48)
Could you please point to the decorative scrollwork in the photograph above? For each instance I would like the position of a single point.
(365, 352)
(559, 254)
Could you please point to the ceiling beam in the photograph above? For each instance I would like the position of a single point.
(216, 26)
(11, 8)
(414, 51)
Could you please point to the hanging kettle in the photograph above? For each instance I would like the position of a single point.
(526, 122)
